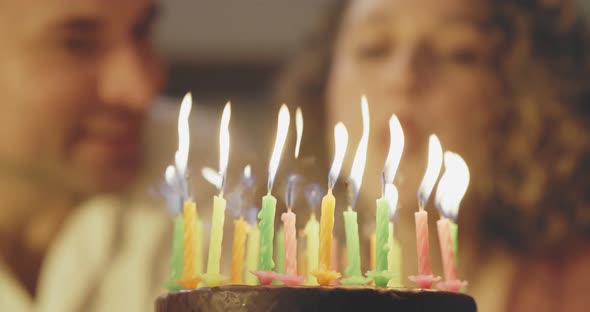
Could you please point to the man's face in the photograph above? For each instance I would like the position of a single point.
(76, 79)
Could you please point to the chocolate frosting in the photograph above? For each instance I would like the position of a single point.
(303, 298)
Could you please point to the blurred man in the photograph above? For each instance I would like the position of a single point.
(76, 81)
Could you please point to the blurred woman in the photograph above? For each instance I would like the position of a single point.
(503, 83)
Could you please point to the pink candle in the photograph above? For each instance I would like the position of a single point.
(290, 243)
(446, 249)
(422, 243)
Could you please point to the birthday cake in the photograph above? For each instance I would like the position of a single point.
(255, 277)
(301, 298)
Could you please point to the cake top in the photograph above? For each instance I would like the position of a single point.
(308, 298)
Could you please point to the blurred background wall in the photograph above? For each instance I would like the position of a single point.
(231, 50)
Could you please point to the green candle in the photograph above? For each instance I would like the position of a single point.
(175, 266)
(353, 267)
(382, 234)
(381, 275)
(280, 251)
(267, 228)
(454, 232)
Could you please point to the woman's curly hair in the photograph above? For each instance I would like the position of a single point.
(538, 194)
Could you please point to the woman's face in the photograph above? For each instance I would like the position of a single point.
(427, 61)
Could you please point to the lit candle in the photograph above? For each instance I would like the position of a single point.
(388, 201)
(353, 260)
(269, 202)
(425, 277)
(241, 229)
(173, 194)
(241, 226)
(290, 236)
(176, 180)
(324, 275)
(312, 232)
(175, 266)
(189, 278)
(381, 275)
(451, 189)
(213, 277)
(253, 247)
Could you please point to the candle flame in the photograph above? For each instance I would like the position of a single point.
(341, 142)
(212, 176)
(452, 186)
(247, 172)
(247, 177)
(392, 195)
(282, 129)
(224, 144)
(396, 147)
(299, 128)
(358, 165)
(181, 156)
(435, 156)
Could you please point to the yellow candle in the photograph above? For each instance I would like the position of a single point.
(213, 277)
(238, 251)
(394, 259)
(189, 277)
(324, 275)
(252, 254)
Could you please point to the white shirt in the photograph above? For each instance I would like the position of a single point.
(109, 256)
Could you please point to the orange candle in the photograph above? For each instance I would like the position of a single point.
(241, 229)
(189, 277)
(323, 274)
